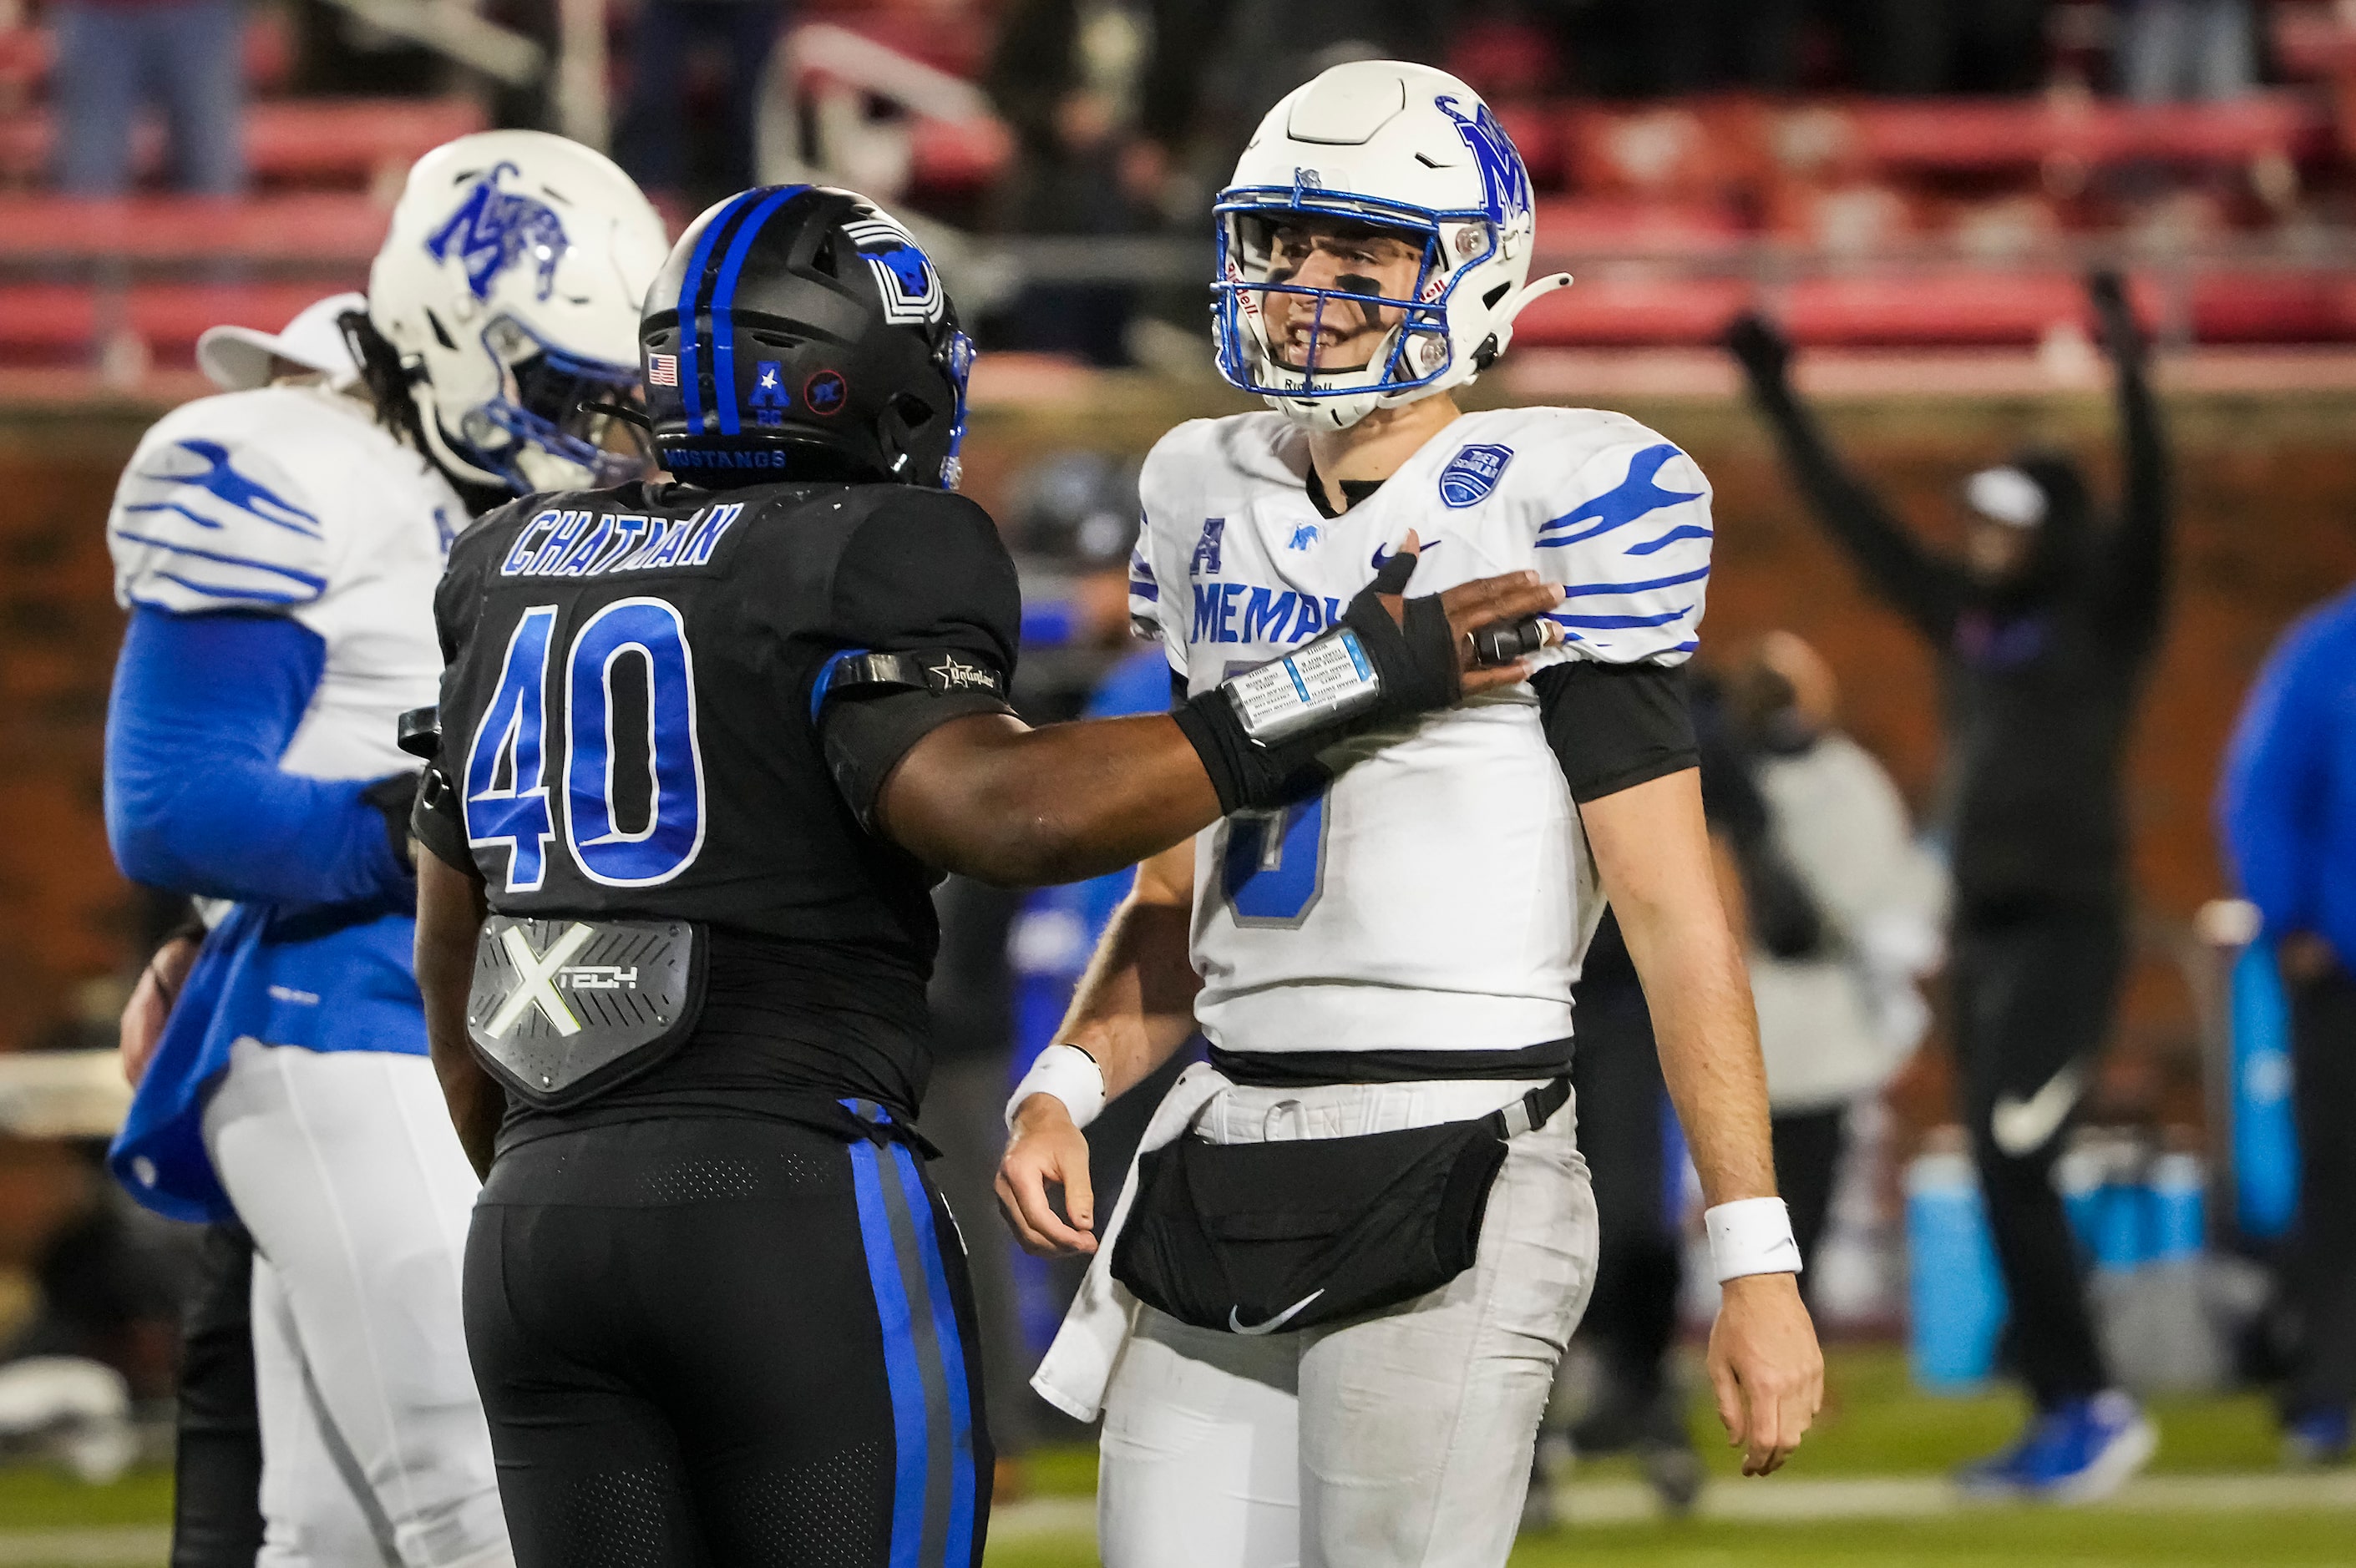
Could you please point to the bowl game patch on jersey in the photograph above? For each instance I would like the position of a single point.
(1472, 472)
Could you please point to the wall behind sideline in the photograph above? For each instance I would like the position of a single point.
(2268, 492)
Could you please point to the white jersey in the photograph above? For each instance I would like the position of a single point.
(292, 500)
(1437, 895)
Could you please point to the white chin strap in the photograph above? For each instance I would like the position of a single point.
(1342, 412)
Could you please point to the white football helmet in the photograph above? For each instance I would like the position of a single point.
(1404, 148)
(510, 285)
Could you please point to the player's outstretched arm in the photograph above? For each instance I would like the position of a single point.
(450, 910)
(1653, 852)
(1133, 1010)
(991, 798)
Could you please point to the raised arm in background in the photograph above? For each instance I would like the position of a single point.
(1928, 590)
(2135, 574)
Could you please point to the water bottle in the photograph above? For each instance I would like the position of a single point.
(1955, 1293)
(2179, 1190)
(2265, 1138)
(2123, 1225)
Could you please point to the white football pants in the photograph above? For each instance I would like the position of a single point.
(345, 1167)
(1401, 1441)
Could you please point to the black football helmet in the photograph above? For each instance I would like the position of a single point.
(798, 331)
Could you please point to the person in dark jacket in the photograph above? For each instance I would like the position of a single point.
(2044, 627)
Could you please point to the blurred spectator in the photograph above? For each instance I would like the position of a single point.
(2044, 627)
(1644, 49)
(115, 58)
(1836, 1019)
(1071, 525)
(1064, 77)
(1217, 65)
(2288, 809)
(651, 140)
(1629, 1136)
(1920, 46)
(1627, 1133)
(2187, 50)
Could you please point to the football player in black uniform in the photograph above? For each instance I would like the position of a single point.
(705, 744)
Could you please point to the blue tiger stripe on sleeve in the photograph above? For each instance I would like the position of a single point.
(200, 525)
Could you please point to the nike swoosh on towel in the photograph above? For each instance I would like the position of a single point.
(1235, 1322)
(2023, 1126)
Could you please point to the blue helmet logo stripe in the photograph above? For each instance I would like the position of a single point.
(690, 285)
(724, 296)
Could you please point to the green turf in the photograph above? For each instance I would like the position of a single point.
(1876, 1424)
(39, 1498)
(2044, 1539)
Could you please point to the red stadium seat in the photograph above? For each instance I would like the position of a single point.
(1576, 225)
(324, 228)
(1959, 308)
(2310, 307)
(1615, 312)
(345, 141)
(1951, 136)
(48, 322)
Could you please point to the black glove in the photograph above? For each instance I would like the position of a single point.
(1762, 349)
(1414, 664)
(395, 797)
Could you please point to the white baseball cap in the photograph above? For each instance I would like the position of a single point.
(2006, 496)
(237, 359)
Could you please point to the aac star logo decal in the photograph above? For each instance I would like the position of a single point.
(768, 401)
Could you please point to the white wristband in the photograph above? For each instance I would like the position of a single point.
(1750, 1235)
(1071, 1075)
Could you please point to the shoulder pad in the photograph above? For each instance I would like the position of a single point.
(206, 518)
(1623, 520)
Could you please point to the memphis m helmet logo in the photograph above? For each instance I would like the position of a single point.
(493, 229)
(905, 276)
(1505, 178)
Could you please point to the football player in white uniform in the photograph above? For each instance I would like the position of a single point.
(277, 550)
(1328, 1309)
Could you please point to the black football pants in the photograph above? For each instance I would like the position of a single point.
(217, 1459)
(728, 1343)
(2323, 1261)
(2034, 994)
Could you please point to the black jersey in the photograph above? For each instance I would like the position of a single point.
(633, 726)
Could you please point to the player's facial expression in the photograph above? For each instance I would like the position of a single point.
(1353, 257)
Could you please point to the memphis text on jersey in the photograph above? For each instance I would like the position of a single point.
(566, 542)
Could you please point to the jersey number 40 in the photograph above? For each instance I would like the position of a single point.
(506, 788)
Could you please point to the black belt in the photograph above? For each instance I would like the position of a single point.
(1304, 1069)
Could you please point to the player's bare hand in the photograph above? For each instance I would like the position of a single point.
(150, 1007)
(1047, 1152)
(1765, 1368)
(1474, 607)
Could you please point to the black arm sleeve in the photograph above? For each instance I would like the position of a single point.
(1614, 726)
(924, 575)
(2135, 586)
(1927, 590)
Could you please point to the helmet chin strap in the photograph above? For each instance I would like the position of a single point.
(444, 454)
